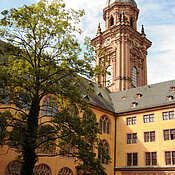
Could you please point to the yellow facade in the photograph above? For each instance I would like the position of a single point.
(141, 147)
(56, 163)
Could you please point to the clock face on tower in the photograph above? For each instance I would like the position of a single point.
(107, 41)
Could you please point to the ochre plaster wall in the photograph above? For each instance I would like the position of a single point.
(56, 163)
(159, 146)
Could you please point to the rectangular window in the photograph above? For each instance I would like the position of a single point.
(171, 115)
(148, 158)
(173, 157)
(134, 119)
(172, 134)
(166, 134)
(170, 157)
(128, 138)
(151, 118)
(146, 136)
(165, 115)
(132, 159)
(152, 136)
(151, 158)
(168, 115)
(169, 134)
(132, 138)
(131, 120)
(148, 118)
(154, 158)
(149, 136)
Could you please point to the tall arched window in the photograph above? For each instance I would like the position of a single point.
(65, 171)
(131, 22)
(134, 76)
(48, 108)
(42, 169)
(109, 73)
(101, 156)
(104, 124)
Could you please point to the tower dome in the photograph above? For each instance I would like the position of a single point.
(109, 2)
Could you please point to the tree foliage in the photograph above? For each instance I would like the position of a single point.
(41, 57)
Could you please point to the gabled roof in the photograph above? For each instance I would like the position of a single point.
(144, 97)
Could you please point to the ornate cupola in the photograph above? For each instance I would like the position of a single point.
(122, 47)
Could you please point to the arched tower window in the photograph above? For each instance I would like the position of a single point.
(134, 76)
(131, 22)
(104, 124)
(48, 108)
(65, 171)
(109, 76)
(111, 22)
(101, 156)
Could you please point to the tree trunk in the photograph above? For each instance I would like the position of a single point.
(29, 146)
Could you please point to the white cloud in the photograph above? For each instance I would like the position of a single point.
(161, 63)
(159, 20)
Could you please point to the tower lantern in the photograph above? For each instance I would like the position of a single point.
(123, 46)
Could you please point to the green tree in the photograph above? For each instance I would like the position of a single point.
(41, 57)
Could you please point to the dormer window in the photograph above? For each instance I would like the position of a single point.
(169, 98)
(124, 97)
(172, 89)
(100, 94)
(134, 104)
(138, 95)
(86, 97)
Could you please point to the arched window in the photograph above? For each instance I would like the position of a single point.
(48, 108)
(134, 76)
(111, 21)
(104, 124)
(42, 169)
(109, 73)
(101, 156)
(131, 22)
(13, 167)
(65, 171)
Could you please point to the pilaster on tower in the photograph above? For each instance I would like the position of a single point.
(124, 48)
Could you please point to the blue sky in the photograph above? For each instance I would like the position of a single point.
(158, 17)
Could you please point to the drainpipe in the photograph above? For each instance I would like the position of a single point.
(115, 115)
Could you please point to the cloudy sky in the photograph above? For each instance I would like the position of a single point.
(158, 17)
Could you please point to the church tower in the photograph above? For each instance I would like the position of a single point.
(121, 48)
